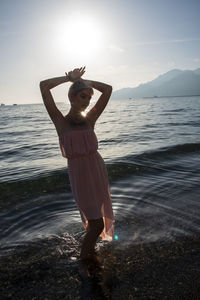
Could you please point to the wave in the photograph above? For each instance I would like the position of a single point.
(25, 150)
(172, 151)
(58, 181)
(50, 182)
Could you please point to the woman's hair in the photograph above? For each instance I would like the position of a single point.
(78, 86)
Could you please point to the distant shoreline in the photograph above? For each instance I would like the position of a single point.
(130, 98)
(151, 97)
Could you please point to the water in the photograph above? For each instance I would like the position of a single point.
(151, 149)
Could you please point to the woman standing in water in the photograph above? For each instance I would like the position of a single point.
(78, 143)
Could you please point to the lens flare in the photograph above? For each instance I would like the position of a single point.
(116, 237)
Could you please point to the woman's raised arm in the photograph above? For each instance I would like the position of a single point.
(48, 84)
(101, 103)
(45, 87)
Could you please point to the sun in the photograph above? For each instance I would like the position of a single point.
(81, 36)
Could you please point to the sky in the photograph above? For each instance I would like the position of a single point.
(121, 42)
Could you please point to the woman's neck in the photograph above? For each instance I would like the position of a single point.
(75, 113)
(76, 118)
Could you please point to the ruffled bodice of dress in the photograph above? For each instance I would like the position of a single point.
(78, 143)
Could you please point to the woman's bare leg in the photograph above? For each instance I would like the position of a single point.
(94, 230)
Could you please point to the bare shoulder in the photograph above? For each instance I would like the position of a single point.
(62, 125)
(92, 116)
(90, 121)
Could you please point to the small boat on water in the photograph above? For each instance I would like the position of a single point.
(14, 104)
(2, 104)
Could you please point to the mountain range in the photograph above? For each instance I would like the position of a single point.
(173, 83)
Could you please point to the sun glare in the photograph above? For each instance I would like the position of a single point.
(81, 36)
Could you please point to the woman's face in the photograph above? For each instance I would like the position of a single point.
(82, 100)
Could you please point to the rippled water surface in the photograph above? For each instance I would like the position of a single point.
(151, 148)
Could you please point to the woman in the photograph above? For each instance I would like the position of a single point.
(78, 143)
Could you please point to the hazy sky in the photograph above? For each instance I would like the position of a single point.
(121, 42)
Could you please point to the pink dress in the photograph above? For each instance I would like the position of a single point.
(88, 178)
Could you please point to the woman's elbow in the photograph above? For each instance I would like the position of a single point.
(43, 85)
(109, 89)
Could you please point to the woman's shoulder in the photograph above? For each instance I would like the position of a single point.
(61, 125)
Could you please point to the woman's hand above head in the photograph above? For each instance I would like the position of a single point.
(75, 74)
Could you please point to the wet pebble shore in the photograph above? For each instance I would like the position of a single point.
(50, 270)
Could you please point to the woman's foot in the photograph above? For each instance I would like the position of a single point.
(92, 256)
(84, 271)
(92, 262)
